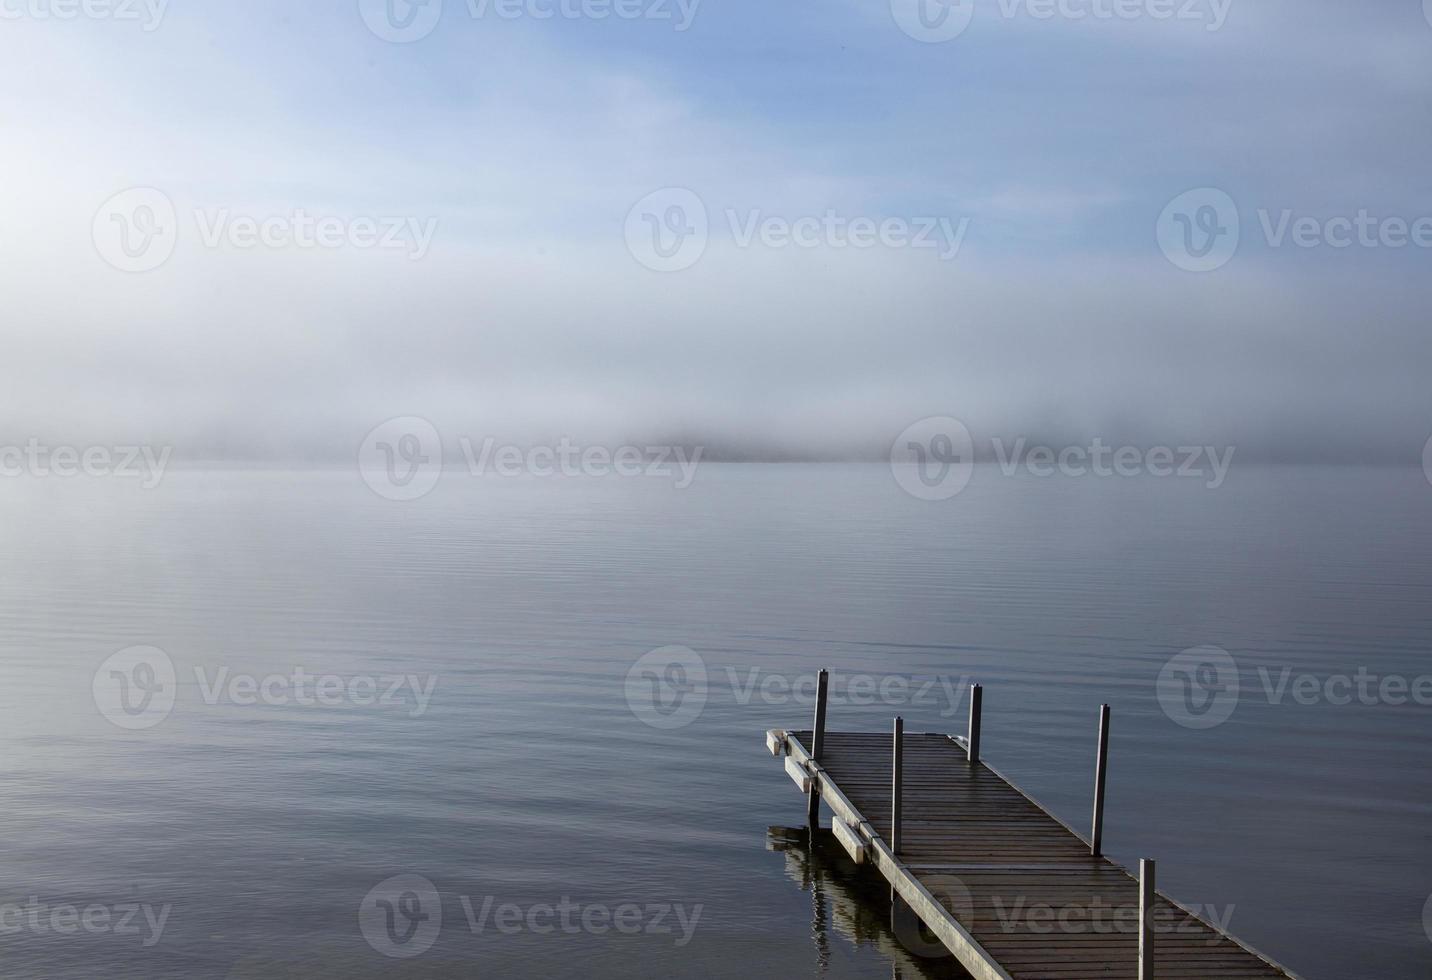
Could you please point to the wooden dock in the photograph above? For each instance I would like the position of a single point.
(1009, 890)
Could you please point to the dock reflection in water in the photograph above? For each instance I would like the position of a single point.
(859, 906)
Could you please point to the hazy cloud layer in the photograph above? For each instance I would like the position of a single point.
(528, 141)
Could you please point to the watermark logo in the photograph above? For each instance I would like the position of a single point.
(149, 14)
(574, 918)
(405, 21)
(143, 920)
(1199, 230)
(668, 230)
(569, 459)
(951, 893)
(135, 689)
(934, 459)
(1427, 11)
(681, 13)
(402, 917)
(136, 230)
(1099, 459)
(300, 229)
(1211, 14)
(933, 21)
(1199, 688)
(1363, 686)
(1028, 915)
(413, 692)
(1427, 449)
(1427, 908)
(852, 689)
(39, 461)
(402, 459)
(1361, 230)
(835, 230)
(1089, 915)
(667, 688)
(401, 21)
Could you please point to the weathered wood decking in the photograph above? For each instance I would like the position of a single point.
(1008, 889)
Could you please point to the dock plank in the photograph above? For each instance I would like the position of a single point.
(1010, 890)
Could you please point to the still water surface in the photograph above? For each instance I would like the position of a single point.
(249, 836)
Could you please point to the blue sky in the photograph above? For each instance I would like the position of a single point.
(528, 141)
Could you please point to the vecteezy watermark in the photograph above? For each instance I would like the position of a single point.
(149, 14)
(1362, 230)
(569, 458)
(1200, 688)
(1207, 463)
(951, 893)
(1097, 917)
(402, 917)
(1363, 686)
(1081, 915)
(848, 688)
(298, 687)
(137, 688)
(1200, 230)
(934, 21)
(669, 229)
(406, 21)
(669, 687)
(300, 229)
(137, 230)
(571, 918)
(1427, 908)
(681, 14)
(401, 21)
(1427, 453)
(35, 917)
(834, 230)
(402, 459)
(934, 459)
(35, 459)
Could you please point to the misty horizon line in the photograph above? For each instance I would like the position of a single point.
(698, 452)
(457, 451)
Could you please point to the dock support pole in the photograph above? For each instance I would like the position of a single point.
(897, 785)
(1101, 771)
(976, 697)
(1146, 919)
(817, 739)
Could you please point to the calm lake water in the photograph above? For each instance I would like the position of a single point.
(262, 840)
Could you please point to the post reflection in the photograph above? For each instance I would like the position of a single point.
(856, 904)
